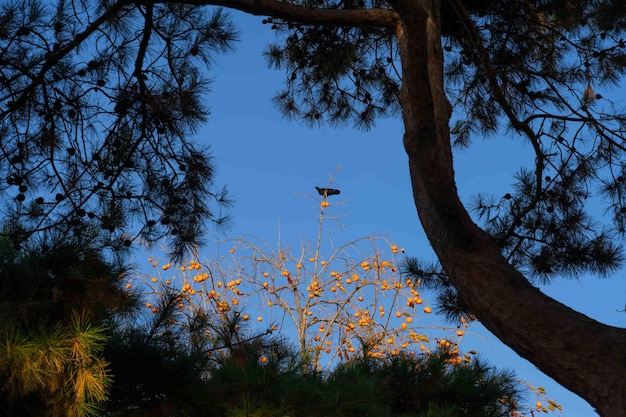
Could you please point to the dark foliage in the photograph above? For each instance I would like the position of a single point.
(179, 362)
(417, 386)
(155, 376)
(400, 386)
(97, 103)
(41, 287)
(357, 85)
(539, 71)
(536, 69)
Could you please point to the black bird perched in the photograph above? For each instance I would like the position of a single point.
(325, 192)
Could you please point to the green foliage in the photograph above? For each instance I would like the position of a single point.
(400, 386)
(154, 375)
(419, 386)
(56, 373)
(53, 299)
(182, 362)
(353, 389)
(256, 378)
(171, 363)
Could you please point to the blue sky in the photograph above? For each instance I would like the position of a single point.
(270, 164)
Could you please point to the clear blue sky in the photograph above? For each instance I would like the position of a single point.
(265, 160)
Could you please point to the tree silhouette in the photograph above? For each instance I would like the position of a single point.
(93, 142)
(95, 117)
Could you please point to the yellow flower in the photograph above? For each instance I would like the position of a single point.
(428, 310)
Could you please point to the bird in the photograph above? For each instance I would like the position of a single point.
(325, 192)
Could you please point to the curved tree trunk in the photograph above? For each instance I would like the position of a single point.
(585, 356)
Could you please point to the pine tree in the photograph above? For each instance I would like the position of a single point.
(96, 141)
(95, 119)
(54, 302)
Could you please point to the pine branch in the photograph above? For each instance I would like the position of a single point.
(54, 57)
(302, 14)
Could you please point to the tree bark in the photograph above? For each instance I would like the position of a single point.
(583, 355)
